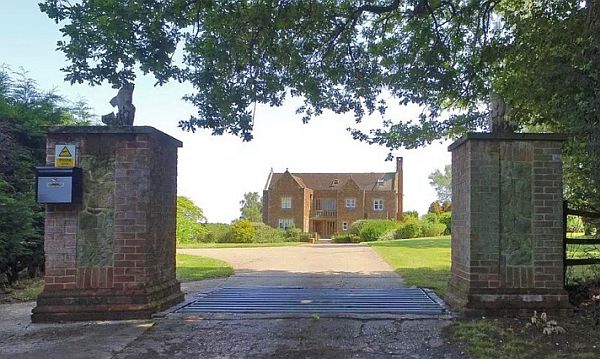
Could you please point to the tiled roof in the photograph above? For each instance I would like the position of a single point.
(326, 181)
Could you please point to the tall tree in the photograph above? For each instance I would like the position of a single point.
(442, 183)
(25, 113)
(189, 221)
(542, 56)
(251, 207)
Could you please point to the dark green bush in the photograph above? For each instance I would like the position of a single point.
(215, 232)
(409, 228)
(267, 234)
(356, 227)
(373, 229)
(241, 231)
(446, 218)
(433, 229)
(345, 238)
(430, 218)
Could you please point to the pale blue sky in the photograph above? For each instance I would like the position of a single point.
(216, 171)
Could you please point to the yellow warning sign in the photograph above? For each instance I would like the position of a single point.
(64, 156)
(65, 152)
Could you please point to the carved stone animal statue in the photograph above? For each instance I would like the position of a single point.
(126, 111)
(497, 111)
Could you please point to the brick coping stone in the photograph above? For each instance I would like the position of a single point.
(507, 137)
(115, 130)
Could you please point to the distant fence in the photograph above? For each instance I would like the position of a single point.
(583, 241)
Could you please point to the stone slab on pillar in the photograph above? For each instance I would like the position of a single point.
(113, 255)
(507, 230)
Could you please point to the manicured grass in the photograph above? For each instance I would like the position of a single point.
(236, 245)
(191, 268)
(422, 262)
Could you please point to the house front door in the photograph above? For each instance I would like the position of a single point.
(325, 229)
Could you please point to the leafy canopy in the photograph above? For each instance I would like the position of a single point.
(442, 183)
(355, 56)
(251, 207)
(340, 55)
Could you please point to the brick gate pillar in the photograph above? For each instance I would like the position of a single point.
(113, 255)
(507, 246)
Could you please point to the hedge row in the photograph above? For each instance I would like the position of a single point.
(367, 230)
(244, 231)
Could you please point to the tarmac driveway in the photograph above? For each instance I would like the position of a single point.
(308, 266)
(245, 336)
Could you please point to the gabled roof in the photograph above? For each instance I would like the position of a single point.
(327, 181)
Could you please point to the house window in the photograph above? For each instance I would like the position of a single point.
(350, 202)
(285, 223)
(344, 226)
(286, 202)
(378, 204)
(380, 182)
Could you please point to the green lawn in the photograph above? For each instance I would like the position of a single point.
(236, 245)
(422, 262)
(191, 268)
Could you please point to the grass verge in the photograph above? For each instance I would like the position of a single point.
(236, 245)
(422, 262)
(191, 268)
(25, 290)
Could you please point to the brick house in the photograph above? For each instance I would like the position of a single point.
(327, 203)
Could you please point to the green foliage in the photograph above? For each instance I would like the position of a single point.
(251, 207)
(345, 238)
(189, 217)
(575, 224)
(356, 227)
(268, 234)
(438, 207)
(347, 56)
(413, 214)
(442, 183)
(446, 218)
(25, 113)
(216, 232)
(241, 231)
(433, 229)
(372, 230)
(409, 228)
(430, 218)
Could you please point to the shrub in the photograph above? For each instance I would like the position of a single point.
(267, 234)
(242, 231)
(293, 234)
(372, 230)
(446, 218)
(356, 227)
(409, 228)
(574, 224)
(345, 238)
(430, 218)
(413, 214)
(215, 232)
(433, 229)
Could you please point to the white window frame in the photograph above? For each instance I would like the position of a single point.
(286, 202)
(344, 226)
(285, 223)
(378, 204)
(350, 202)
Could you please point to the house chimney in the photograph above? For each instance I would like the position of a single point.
(400, 187)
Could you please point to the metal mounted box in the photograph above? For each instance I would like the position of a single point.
(58, 185)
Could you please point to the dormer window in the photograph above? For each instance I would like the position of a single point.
(335, 182)
(380, 182)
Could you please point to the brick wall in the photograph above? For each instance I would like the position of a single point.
(288, 187)
(507, 222)
(117, 248)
